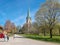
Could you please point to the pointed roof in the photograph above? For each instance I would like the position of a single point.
(28, 14)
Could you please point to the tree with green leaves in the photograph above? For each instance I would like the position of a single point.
(48, 15)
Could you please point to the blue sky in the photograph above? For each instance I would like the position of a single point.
(16, 10)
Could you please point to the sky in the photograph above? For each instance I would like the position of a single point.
(16, 10)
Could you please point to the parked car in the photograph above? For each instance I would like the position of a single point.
(2, 37)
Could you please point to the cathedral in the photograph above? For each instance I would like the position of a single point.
(28, 20)
(27, 25)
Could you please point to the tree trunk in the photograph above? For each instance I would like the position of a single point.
(50, 33)
(44, 33)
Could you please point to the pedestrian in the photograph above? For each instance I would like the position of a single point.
(7, 37)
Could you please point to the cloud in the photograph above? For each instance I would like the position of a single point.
(18, 19)
(2, 13)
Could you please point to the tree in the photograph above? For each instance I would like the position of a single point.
(35, 28)
(24, 29)
(13, 28)
(48, 15)
(58, 27)
(18, 28)
(1, 29)
(8, 26)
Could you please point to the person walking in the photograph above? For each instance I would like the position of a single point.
(7, 37)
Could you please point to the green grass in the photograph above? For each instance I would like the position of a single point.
(43, 38)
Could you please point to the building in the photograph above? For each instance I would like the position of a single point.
(28, 21)
(27, 25)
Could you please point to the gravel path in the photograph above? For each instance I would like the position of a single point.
(24, 41)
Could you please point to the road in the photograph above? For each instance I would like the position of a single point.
(24, 41)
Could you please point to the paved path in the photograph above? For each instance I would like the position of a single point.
(25, 41)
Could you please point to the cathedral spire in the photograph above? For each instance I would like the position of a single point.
(28, 20)
(28, 13)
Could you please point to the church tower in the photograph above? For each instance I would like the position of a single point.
(28, 20)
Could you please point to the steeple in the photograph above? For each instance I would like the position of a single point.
(28, 21)
(28, 14)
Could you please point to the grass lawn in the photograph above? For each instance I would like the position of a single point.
(43, 38)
